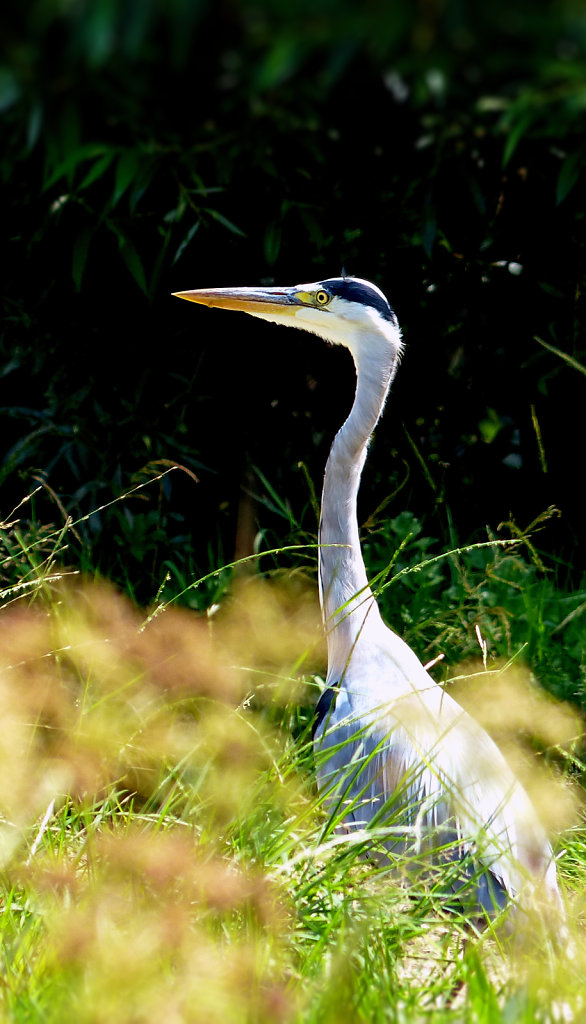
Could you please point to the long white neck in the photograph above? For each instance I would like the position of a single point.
(348, 606)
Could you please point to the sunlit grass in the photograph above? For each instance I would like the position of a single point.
(165, 856)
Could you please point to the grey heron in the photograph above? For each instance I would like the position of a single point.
(391, 745)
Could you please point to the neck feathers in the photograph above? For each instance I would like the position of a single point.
(348, 605)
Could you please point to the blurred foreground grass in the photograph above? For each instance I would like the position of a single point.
(164, 856)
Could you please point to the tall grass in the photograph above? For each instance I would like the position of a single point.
(164, 854)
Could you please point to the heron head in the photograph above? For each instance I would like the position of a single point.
(343, 310)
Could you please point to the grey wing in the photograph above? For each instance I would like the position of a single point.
(377, 781)
(368, 777)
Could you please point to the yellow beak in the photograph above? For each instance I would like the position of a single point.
(257, 301)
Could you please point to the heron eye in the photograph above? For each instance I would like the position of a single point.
(322, 298)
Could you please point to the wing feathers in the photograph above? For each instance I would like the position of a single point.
(423, 769)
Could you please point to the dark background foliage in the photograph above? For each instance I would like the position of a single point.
(436, 148)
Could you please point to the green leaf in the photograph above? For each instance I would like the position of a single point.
(278, 64)
(10, 91)
(490, 426)
(80, 255)
(126, 168)
(272, 242)
(187, 239)
(562, 355)
(34, 125)
(97, 170)
(569, 174)
(134, 263)
(227, 223)
(516, 134)
(312, 225)
(71, 162)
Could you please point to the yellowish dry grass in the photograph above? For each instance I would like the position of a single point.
(160, 839)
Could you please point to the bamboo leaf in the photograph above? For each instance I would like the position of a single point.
(515, 135)
(272, 242)
(133, 263)
(72, 161)
(99, 168)
(183, 245)
(225, 222)
(569, 174)
(126, 168)
(80, 255)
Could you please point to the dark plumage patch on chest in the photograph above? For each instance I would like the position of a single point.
(360, 291)
(324, 707)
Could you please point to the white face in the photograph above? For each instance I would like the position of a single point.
(338, 320)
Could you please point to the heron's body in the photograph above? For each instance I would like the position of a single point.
(396, 755)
